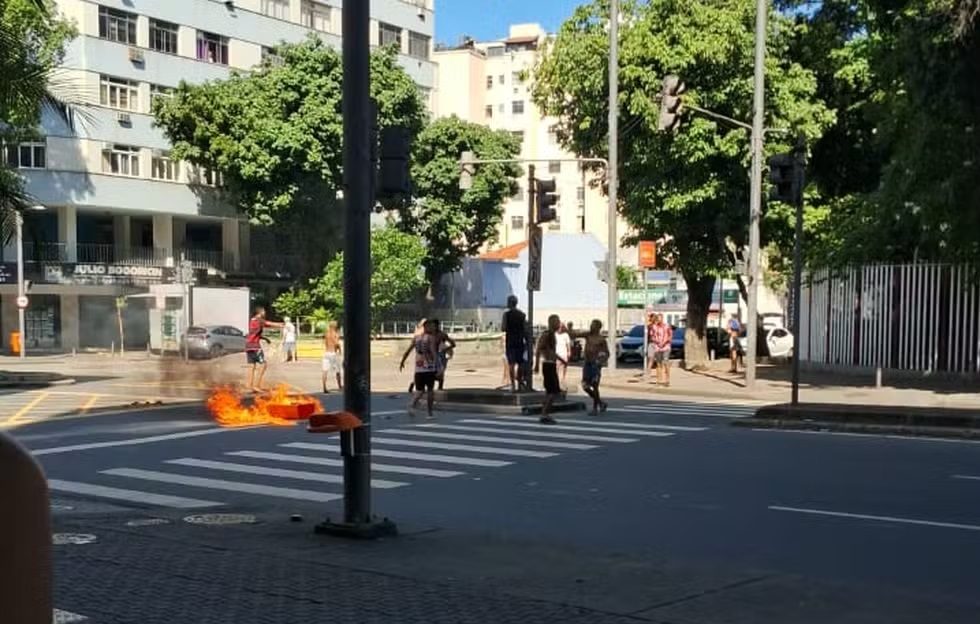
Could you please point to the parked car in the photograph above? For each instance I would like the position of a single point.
(211, 341)
(775, 342)
(717, 341)
(630, 346)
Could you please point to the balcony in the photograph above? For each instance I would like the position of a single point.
(95, 253)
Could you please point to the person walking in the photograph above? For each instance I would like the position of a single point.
(254, 355)
(445, 347)
(734, 331)
(514, 324)
(596, 356)
(546, 350)
(419, 330)
(651, 349)
(288, 341)
(331, 356)
(660, 336)
(563, 348)
(426, 366)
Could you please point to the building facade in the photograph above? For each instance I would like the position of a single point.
(490, 83)
(117, 214)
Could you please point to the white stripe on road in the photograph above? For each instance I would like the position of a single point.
(134, 496)
(274, 472)
(220, 484)
(66, 617)
(442, 459)
(534, 434)
(443, 446)
(134, 441)
(652, 434)
(481, 438)
(612, 423)
(969, 477)
(324, 461)
(686, 411)
(893, 519)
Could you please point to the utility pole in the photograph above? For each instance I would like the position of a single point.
(612, 175)
(359, 196)
(21, 291)
(799, 173)
(533, 234)
(755, 207)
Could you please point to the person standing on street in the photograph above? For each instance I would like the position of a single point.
(419, 330)
(651, 321)
(734, 331)
(253, 348)
(444, 349)
(596, 356)
(426, 366)
(660, 337)
(563, 348)
(546, 350)
(514, 324)
(288, 341)
(331, 356)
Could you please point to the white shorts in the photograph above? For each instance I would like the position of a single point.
(331, 363)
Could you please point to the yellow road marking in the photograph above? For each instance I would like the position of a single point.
(24, 410)
(90, 403)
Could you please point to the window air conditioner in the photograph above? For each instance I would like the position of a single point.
(124, 118)
(136, 55)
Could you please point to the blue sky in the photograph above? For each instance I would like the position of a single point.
(489, 19)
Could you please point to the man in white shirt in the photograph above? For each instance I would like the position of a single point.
(288, 341)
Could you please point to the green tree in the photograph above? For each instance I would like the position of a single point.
(692, 186)
(626, 277)
(397, 276)
(276, 133)
(456, 223)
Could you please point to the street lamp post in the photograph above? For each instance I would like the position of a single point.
(612, 174)
(20, 285)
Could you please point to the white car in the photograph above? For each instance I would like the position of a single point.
(778, 343)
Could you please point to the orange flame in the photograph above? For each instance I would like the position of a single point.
(228, 410)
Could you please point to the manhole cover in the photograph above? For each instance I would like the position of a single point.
(75, 539)
(220, 519)
(140, 522)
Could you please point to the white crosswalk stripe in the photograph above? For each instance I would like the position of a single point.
(635, 432)
(324, 461)
(482, 438)
(275, 472)
(220, 484)
(61, 616)
(609, 423)
(133, 496)
(443, 459)
(536, 434)
(444, 446)
(689, 409)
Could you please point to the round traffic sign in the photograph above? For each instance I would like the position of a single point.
(22, 301)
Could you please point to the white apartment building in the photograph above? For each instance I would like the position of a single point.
(490, 83)
(117, 214)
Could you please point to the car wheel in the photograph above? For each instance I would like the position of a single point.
(215, 351)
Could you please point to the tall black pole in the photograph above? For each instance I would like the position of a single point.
(799, 156)
(531, 234)
(358, 194)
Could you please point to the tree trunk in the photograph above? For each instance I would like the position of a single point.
(699, 291)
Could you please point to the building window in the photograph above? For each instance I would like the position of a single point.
(580, 193)
(119, 93)
(500, 79)
(495, 51)
(501, 109)
(159, 91)
(163, 36)
(26, 155)
(317, 16)
(517, 107)
(389, 35)
(275, 8)
(206, 176)
(554, 166)
(518, 194)
(212, 48)
(117, 25)
(517, 223)
(418, 45)
(517, 78)
(489, 82)
(163, 168)
(122, 160)
(488, 112)
(519, 135)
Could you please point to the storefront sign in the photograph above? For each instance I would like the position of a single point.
(106, 274)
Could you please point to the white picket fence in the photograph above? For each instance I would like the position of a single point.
(914, 317)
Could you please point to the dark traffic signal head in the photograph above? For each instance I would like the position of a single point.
(785, 179)
(394, 176)
(670, 102)
(546, 199)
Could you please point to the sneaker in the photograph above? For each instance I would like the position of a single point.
(603, 406)
(547, 420)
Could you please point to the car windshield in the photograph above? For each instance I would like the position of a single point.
(636, 332)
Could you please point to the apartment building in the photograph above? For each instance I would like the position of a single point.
(116, 214)
(490, 83)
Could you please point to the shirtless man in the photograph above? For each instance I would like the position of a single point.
(331, 356)
(253, 348)
(596, 356)
(546, 350)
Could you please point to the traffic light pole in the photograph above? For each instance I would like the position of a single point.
(612, 177)
(531, 227)
(799, 156)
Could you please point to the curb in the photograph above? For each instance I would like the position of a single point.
(30, 383)
(640, 386)
(858, 428)
(882, 415)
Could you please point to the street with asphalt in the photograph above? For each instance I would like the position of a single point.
(658, 510)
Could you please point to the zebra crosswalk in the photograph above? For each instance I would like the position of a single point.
(405, 455)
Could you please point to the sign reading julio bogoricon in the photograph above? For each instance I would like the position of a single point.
(106, 274)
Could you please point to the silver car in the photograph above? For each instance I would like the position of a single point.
(211, 341)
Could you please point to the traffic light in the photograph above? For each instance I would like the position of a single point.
(394, 175)
(784, 175)
(670, 102)
(546, 199)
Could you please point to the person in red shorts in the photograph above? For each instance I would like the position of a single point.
(253, 348)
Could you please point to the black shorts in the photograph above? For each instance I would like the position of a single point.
(425, 381)
(255, 357)
(549, 370)
(515, 355)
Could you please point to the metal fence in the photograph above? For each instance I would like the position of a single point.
(914, 317)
